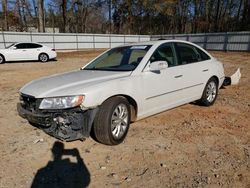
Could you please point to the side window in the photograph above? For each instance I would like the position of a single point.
(187, 54)
(32, 45)
(164, 53)
(21, 46)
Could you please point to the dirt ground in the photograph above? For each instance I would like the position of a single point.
(189, 146)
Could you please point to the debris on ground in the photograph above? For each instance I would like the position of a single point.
(38, 140)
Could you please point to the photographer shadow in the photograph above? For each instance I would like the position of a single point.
(60, 172)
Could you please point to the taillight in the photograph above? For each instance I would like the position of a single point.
(53, 50)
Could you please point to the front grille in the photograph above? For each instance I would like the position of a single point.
(29, 102)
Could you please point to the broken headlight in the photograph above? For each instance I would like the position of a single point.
(61, 102)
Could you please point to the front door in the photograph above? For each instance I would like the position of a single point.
(19, 52)
(162, 89)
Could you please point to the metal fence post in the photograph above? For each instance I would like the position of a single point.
(94, 41)
(4, 39)
(225, 41)
(53, 38)
(109, 40)
(249, 43)
(205, 41)
(77, 47)
(31, 36)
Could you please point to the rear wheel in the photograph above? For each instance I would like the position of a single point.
(112, 121)
(2, 60)
(210, 92)
(43, 58)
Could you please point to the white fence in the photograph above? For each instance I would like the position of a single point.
(71, 40)
(230, 41)
(233, 41)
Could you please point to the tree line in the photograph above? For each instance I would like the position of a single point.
(126, 16)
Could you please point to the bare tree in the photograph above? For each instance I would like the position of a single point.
(5, 13)
(34, 5)
(41, 27)
(128, 16)
(64, 11)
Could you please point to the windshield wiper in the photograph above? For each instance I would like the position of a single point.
(89, 69)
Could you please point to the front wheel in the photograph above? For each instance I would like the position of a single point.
(112, 121)
(43, 58)
(210, 92)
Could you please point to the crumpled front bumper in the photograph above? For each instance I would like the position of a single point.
(68, 124)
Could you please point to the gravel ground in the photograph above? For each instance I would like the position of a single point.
(189, 146)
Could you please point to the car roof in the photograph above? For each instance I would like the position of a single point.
(162, 41)
(27, 43)
(157, 42)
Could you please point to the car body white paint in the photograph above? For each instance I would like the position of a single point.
(28, 54)
(152, 92)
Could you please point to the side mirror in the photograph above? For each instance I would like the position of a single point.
(158, 65)
(14, 48)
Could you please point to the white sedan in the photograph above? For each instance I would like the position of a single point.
(122, 85)
(27, 52)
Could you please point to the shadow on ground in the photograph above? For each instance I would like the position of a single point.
(62, 172)
(29, 61)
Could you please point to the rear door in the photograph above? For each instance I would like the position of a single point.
(33, 51)
(195, 66)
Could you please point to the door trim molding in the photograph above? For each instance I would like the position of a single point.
(173, 91)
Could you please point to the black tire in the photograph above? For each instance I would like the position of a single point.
(43, 57)
(210, 92)
(103, 123)
(2, 59)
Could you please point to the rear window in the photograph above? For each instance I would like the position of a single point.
(203, 55)
(190, 54)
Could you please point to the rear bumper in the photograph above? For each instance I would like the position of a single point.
(52, 55)
(68, 125)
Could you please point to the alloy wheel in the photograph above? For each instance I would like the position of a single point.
(119, 121)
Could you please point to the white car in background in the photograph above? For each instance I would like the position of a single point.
(27, 52)
(122, 85)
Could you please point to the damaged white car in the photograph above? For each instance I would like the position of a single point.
(122, 85)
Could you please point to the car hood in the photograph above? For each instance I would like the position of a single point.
(67, 84)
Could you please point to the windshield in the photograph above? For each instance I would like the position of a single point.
(120, 59)
(10, 45)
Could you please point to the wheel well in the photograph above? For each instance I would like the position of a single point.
(43, 53)
(3, 58)
(133, 105)
(2, 55)
(216, 78)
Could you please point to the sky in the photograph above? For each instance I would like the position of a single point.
(46, 2)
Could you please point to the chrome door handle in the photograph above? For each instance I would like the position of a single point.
(24, 50)
(178, 76)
